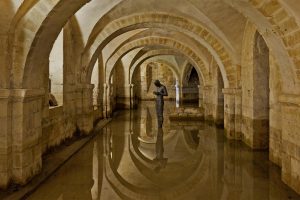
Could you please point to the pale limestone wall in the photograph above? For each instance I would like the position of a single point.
(56, 62)
(57, 128)
(25, 117)
(275, 125)
(5, 141)
(213, 98)
(247, 83)
(95, 82)
(252, 122)
(159, 71)
(283, 114)
(290, 160)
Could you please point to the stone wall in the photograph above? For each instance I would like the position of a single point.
(156, 71)
(290, 140)
(56, 74)
(213, 98)
(57, 128)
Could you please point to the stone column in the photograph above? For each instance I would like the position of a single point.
(181, 97)
(125, 97)
(100, 101)
(200, 87)
(105, 88)
(132, 97)
(208, 103)
(238, 113)
(107, 101)
(5, 138)
(26, 134)
(85, 109)
(177, 88)
(290, 140)
(232, 113)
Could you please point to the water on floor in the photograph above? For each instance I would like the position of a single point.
(132, 159)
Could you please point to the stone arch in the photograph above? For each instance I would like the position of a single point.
(151, 54)
(256, 69)
(190, 42)
(40, 26)
(199, 50)
(280, 36)
(190, 94)
(186, 68)
(162, 20)
(157, 41)
(170, 66)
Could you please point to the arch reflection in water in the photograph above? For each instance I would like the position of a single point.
(156, 160)
(133, 159)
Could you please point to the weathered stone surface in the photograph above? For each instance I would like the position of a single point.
(253, 55)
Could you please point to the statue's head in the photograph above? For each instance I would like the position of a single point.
(157, 83)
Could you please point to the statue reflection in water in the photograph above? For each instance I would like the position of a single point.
(160, 92)
(159, 147)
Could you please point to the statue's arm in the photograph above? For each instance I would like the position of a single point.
(164, 91)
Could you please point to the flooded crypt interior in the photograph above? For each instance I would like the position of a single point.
(132, 159)
(78, 86)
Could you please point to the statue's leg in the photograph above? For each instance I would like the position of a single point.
(160, 121)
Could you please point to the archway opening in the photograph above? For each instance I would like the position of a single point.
(56, 75)
(95, 82)
(190, 88)
(261, 92)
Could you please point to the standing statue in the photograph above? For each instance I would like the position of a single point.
(160, 92)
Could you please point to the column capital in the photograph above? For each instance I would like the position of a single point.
(291, 99)
(86, 86)
(232, 91)
(21, 93)
(207, 87)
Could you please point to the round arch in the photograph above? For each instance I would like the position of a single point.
(165, 21)
(166, 42)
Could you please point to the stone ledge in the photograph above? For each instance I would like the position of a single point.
(51, 164)
(21, 93)
(55, 111)
(290, 99)
(232, 91)
(187, 114)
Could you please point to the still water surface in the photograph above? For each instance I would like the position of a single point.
(132, 159)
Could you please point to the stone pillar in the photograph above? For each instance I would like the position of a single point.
(107, 101)
(290, 139)
(5, 138)
(26, 134)
(200, 95)
(177, 88)
(181, 95)
(125, 97)
(100, 100)
(232, 113)
(85, 109)
(133, 103)
(105, 88)
(208, 103)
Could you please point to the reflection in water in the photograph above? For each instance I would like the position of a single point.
(159, 147)
(94, 190)
(133, 159)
